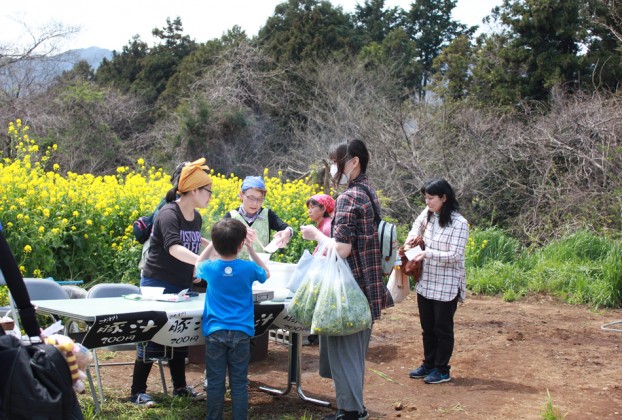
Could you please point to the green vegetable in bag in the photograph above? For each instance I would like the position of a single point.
(341, 308)
(303, 302)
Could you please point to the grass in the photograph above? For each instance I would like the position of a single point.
(582, 268)
(551, 412)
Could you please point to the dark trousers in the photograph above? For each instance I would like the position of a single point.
(177, 367)
(437, 323)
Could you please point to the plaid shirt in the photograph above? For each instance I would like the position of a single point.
(354, 224)
(444, 273)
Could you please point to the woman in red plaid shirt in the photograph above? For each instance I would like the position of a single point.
(443, 280)
(356, 236)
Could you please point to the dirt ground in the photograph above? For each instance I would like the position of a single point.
(506, 357)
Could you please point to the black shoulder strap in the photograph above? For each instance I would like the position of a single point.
(15, 283)
(373, 204)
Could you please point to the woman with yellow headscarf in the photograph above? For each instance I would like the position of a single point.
(173, 251)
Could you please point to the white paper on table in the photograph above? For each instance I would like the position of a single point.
(413, 252)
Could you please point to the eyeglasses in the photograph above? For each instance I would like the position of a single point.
(252, 199)
(207, 189)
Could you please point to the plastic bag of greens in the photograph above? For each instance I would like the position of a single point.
(341, 308)
(300, 272)
(303, 302)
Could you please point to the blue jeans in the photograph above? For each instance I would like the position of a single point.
(227, 349)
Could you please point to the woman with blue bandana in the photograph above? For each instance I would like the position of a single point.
(258, 220)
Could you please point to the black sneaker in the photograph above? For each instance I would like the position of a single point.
(364, 415)
(345, 415)
(188, 392)
(143, 400)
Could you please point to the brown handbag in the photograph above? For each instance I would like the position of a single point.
(414, 268)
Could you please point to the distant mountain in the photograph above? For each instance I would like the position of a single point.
(34, 75)
(92, 55)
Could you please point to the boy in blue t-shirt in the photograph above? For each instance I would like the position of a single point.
(228, 317)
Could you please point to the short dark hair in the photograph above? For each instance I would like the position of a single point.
(440, 187)
(227, 235)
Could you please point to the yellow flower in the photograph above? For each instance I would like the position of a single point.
(22, 269)
(89, 222)
(27, 249)
(37, 273)
(141, 162)
(41, 229)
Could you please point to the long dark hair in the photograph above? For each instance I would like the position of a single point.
(342, 152)
(171, 195)
(440, 187)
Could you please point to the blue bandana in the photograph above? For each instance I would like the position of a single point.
(253, 182)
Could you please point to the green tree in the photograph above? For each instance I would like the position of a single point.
(536, 50)
(146, 71)
(398, 53)
(307, 30)
(374, 22)
(430, 25)
(604, 49)
(122, 70)
(452, 70)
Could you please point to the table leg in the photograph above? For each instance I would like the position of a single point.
(293, 372)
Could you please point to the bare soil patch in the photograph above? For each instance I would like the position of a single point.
(506, 357)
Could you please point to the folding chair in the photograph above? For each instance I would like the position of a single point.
(104, 290)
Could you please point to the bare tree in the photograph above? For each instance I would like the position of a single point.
(29, 65)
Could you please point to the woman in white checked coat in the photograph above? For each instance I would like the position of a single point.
(443, 280)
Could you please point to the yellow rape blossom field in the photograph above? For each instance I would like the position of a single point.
(79, 226)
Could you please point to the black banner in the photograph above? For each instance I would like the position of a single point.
(265, 315)
(114, 329)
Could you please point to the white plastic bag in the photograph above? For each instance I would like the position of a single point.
(300, 272)
(398, 285)
(303, 302)
(341, 308)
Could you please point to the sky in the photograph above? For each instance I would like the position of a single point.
(111, 24)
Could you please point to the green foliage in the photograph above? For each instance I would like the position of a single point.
(551, 412)
(582, 246)
(302, 30)
(537, 50)
(491, 244)
(582, 268)
(429, 23)
(497, 277)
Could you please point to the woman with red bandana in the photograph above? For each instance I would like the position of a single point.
(321, 207)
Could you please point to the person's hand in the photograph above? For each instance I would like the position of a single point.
(409, 242)
(251, 235)
(420, 256)
(282, 238)
(309, 232)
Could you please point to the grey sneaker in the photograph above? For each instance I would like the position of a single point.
(143, 400)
